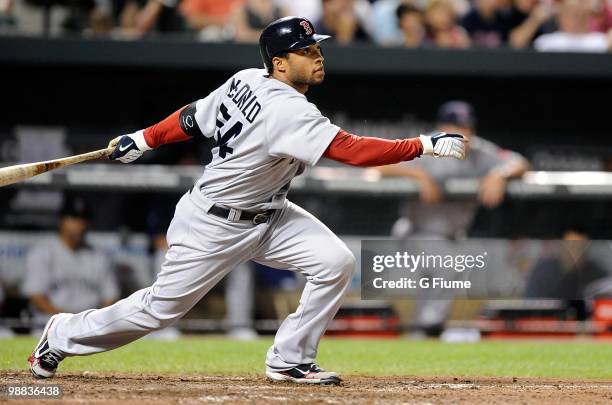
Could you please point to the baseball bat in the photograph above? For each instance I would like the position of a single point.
(17, 173)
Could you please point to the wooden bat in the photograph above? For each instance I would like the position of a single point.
(14, 174)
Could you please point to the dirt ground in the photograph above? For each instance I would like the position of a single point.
(107, 388)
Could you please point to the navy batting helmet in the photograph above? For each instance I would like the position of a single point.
(285, 35)
(458, 113)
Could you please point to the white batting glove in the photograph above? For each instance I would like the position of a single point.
(128, 147)
(442, 144)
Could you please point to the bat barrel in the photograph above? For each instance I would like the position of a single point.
(17, 173)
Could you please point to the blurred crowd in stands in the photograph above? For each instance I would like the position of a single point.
(546, 25)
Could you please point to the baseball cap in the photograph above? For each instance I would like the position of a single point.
(458, 113)
(75, 206)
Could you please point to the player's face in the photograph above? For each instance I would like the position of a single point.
(305, 66)
(72, 231)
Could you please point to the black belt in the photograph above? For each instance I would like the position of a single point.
(260, 217)
(257, 218)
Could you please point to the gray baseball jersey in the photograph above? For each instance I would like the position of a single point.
(266, 132)
(72, 280)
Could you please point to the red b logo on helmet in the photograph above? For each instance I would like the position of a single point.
(307, 27)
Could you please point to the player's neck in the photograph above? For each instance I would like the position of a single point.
(300, 88)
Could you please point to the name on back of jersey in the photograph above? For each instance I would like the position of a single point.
(244, 99)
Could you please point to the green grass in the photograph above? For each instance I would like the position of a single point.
(365, 357)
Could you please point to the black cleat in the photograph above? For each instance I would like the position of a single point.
(305, 374)
(44, 360)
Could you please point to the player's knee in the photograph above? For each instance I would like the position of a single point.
(159, 321)
(341, 264)
(162, 313)
(165, 322)
(349, 265)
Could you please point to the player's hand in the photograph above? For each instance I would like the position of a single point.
(430, 191)
(541, 13)
(128, 147)
(492, 190)
(441, 144)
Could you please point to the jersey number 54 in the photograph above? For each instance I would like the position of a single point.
(223, 139)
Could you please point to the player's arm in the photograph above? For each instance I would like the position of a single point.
(493, 186)
(368, 152)
(37, 282)
(430, 191)
(179, 126)
(511, 165)
(297, 129)
(42, 303)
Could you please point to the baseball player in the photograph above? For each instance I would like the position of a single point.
(434, 218)
(64, 273)
(263, 132)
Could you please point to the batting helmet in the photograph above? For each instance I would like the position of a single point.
(285, 35)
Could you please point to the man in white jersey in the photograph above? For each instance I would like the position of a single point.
(263, 132)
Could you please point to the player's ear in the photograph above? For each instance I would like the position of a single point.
(280, 64)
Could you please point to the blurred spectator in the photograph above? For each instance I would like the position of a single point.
(77, 18)
(486, 23)
(133, 18)
(1, 292)
(462, 7)
(32, 17)
(600, 16)
(528, 20)
(386, 30)
(410, 20)
(5, 332)
(310, 9)
(442, 27)
(138, 17)
(437, 219)
(566, 276)
(212, 18)
(100, 23)
(252, 17)
(573, 34)
(64, 273)
(384, 17)
(240, 302)
(363, 11)
(484, 160)
(7, 18)
(340, 20)
(49, 17)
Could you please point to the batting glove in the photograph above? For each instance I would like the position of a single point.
(128, 147)
(442, 144)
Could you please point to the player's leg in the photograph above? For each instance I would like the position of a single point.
(299, 241)
(433, 306)
(202, 250)
(239, 302)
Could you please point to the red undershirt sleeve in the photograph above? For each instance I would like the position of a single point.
(166, 131)
(367, 152)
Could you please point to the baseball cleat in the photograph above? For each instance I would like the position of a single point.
(44, 360)
(305, 374)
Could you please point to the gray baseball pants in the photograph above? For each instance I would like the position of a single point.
(203, 248)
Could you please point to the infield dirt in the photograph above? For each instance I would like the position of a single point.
(117, 388)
